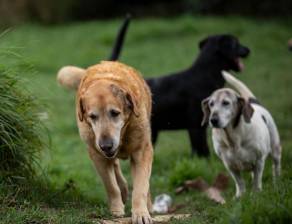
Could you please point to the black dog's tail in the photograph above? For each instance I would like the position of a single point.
(120, 39)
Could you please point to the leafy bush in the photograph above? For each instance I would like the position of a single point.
(21, 132)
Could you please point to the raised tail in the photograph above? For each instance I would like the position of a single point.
(120, 39)
(243, 90)
(70, 76)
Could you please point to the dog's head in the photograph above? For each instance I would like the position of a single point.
(106, 108)
(228, 48)
(225, 107)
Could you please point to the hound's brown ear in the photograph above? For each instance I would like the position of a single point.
(245, 109)
(81, 110)
(132, 104)
(206, 111)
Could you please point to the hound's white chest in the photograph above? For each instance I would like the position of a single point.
(240, 158)
(237, 153)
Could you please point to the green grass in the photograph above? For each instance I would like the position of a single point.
(74, 193)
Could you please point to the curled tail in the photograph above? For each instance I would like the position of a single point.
(243, 90)
(70, 76)
(120, 39)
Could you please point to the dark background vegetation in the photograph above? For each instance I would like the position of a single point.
(56, 11)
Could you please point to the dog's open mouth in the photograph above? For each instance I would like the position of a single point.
(239, 64)
(110, 154)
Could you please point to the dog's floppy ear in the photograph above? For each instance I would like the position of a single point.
(206, 111)
(81, 109)
(245, 109)
(129, 101)
(203, 42)
(132, 104)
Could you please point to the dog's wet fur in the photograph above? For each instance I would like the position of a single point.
(177, 97)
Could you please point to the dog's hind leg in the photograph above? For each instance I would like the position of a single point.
(198, 137)
(276, 157)
(276, 149)
(258, 174)
(154, 135)
(121, 181)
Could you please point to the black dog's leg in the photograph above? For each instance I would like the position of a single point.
(198, 137)
(154, 135)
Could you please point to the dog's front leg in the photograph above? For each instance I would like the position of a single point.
(258, 174)
(105, 168)
(141, 164)
(198, 137)
(239, 182)
(235, 174)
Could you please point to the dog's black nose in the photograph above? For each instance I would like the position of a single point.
(214, 121)
(244, 52)
(106, 145)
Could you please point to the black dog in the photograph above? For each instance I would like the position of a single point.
(177, 97)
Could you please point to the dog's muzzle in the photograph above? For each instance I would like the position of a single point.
(107, 147)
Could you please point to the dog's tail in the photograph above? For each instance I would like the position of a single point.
(120, 39)
(243, 90)
(70, 76)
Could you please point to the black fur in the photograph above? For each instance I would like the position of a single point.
(177, 97)
(120, 39)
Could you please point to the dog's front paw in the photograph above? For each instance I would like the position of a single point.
(141, 218)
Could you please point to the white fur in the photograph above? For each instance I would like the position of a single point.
(246, 147)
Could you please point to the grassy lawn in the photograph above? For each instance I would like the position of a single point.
(74, 193)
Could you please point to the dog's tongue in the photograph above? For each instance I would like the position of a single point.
(240, 64)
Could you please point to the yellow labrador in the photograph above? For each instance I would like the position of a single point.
(113, 107)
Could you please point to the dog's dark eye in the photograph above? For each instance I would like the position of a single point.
(114, 113)
(211, 104)
(225, 103)
(93, 117)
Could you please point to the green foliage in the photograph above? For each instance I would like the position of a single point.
(155, 47)
(273, 205)
(21, 132)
